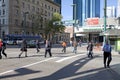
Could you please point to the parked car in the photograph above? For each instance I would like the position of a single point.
(31, 44)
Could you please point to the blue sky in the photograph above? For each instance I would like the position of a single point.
(67, 8)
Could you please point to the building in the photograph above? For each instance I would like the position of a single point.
(94, 27)
(18, 16)
(111, 11)
(118, 9)
(86, 9)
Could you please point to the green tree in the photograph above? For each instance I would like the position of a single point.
(51, 29)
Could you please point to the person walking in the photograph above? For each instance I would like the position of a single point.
(23, 48)
(90, 49)
(107, 54)
(48, 48)
(1, 48)
(75, 44)
(64, 44)
(37, 46)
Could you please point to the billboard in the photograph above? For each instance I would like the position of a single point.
(92, 21)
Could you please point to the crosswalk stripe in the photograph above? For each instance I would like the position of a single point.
(66, 58)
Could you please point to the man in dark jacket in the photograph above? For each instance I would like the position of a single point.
(90, 49)
(48, 48)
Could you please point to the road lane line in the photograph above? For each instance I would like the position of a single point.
(68, 58)
(26, 66)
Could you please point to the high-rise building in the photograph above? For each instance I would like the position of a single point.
(86, 9)
(58, 1)
(111, 11)
(118, 9)
(17, 16)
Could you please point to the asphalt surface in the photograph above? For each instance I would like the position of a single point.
(61, 66)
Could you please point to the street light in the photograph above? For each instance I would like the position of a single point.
(74, 18)
(24, 25)
(105, 6)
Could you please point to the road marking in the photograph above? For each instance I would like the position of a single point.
(26, 66)
(68, 58)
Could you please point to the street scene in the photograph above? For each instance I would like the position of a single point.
(61, 66)
(59, 39)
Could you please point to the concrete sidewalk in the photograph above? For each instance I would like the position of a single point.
(99, 51)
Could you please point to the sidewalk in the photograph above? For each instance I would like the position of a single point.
(96, 50)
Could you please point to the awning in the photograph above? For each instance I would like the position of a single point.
(111, 32)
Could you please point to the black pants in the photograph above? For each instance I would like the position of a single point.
(64, 49)
(90, 54)
(48, 51)
(0, 53)
(107, 57)
(3, 52)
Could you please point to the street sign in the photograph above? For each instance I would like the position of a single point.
(70, 21)
(66, 22)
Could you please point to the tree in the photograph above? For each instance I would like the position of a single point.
(51, 28)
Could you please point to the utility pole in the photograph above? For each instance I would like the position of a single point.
(74, 17)
(105, 6)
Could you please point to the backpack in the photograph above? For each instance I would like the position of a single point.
(107, 48)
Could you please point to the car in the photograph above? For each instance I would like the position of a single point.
(31, 44)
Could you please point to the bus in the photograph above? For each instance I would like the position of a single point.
(17, 39)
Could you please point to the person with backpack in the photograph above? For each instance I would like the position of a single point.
(107, 54)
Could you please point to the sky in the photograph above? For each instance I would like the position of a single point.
(67, 12)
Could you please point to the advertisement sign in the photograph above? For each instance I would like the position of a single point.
(92, 21)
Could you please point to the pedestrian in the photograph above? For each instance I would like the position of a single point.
(80, 43)
(75, 44)
(107, 54)
(48, 48)
(90, 49)
(64, 44)
(23, 48)
(1, 48)
(37, 45)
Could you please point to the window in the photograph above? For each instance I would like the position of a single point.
(29, 6)
(3, 1)
(3, 11)
(17, 13)
(16, 22)
(33, 8)
(23, 5)
(0, 12)
(3, 21)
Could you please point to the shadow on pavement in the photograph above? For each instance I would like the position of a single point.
(70, 72)
(19, 72)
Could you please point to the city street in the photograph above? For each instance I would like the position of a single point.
(61, 66)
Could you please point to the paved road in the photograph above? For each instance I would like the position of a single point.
(62, 66)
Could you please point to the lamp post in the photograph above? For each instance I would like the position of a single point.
(24, 25)
(74, 18)
(105, 5)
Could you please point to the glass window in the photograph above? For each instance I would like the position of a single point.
(3, 21)
(3, 11)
